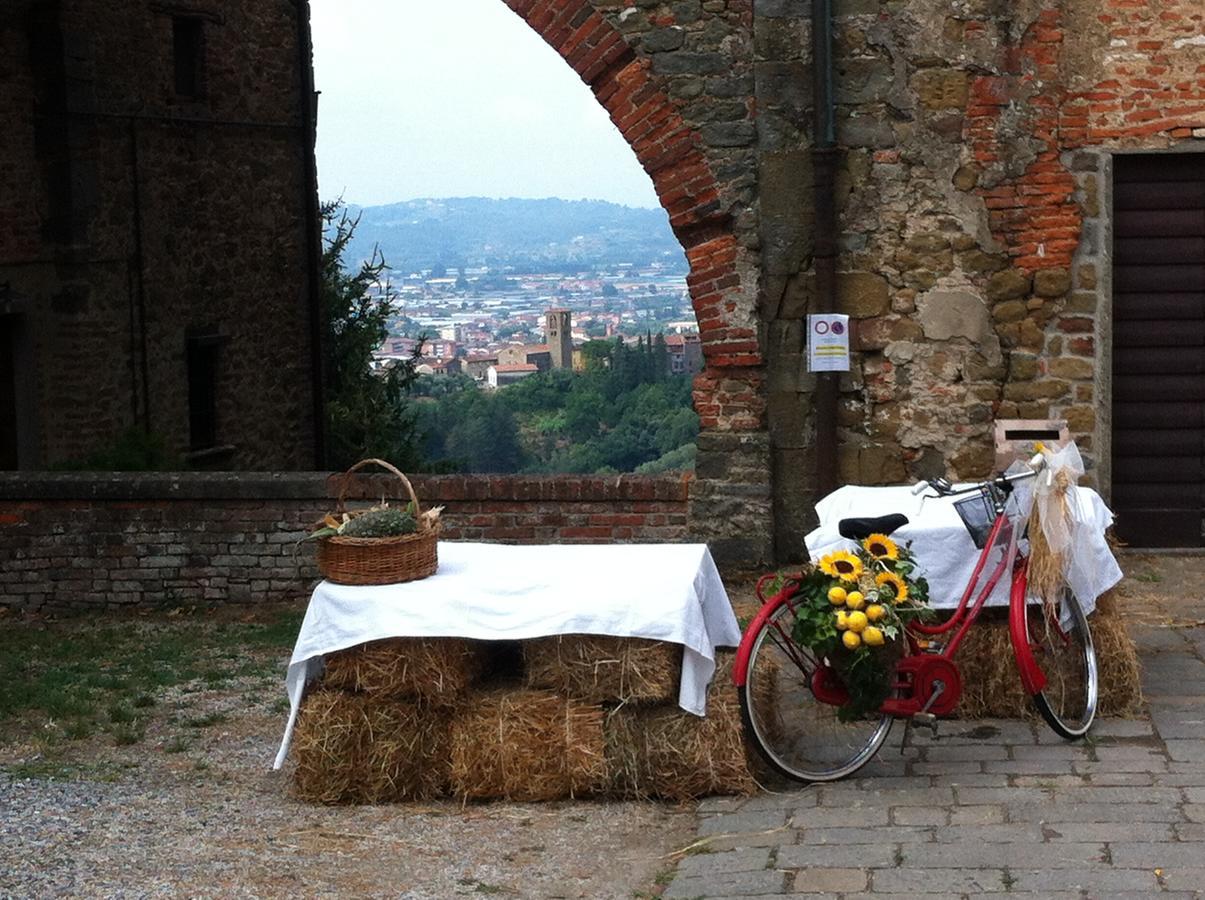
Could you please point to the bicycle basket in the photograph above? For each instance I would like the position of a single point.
(978, 514)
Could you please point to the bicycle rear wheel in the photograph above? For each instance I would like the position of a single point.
(799, 735)
(1061, 643)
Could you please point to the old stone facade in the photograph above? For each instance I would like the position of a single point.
(976, 142)
(155, 231)
(977, 145)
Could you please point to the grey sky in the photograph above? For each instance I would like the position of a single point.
(451, 98)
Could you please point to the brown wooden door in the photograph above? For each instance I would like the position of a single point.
(1159, 349)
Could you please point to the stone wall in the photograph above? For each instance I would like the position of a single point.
(975, 141)
(72, 543)
(132, 217)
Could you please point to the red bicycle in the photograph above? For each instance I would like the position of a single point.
(791, 700)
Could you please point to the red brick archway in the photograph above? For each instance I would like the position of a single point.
(728, 392)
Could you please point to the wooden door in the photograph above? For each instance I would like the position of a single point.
(1159, 349)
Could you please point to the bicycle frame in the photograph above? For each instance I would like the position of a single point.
(923, 671)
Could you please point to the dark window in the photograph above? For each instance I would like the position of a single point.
(8, 392)
(202, 391)
(188, 54)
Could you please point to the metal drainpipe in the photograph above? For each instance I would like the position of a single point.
(313, 230)
(824, 169)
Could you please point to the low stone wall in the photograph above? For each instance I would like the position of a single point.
(75, 542)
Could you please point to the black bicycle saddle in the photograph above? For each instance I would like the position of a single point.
(859, 529)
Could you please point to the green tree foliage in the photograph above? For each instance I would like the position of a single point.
(367, 413)
(624, 413)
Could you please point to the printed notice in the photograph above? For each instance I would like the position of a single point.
(828, 343)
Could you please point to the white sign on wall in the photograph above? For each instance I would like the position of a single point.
(828, 343)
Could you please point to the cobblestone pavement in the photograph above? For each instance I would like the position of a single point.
(1001, 806)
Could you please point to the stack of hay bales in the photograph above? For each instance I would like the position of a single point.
(991, 686)
(574, 716)
(377, 728)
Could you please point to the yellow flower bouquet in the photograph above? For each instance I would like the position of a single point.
(851, 610)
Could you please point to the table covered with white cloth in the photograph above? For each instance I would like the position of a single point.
(945, 553)
(662, 592)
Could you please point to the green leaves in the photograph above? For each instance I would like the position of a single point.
(367, 414)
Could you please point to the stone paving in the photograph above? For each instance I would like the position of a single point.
(998, 806)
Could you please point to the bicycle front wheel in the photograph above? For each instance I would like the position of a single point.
(1061, 644)
(798, 734)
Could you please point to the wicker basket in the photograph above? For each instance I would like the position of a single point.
(379, 560)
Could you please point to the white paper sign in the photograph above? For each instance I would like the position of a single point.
(828, 343)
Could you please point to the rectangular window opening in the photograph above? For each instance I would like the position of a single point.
(188, 55)
(202, 361)
(9, 458)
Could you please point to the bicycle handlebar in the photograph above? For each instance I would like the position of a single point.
(944, 489)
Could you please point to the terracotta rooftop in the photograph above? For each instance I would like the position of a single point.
(517, 367)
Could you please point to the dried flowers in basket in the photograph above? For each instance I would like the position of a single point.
(382, 544)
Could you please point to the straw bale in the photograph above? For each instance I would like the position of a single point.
(599, 669)
(527, 745)
(439, 670)
(991, 686)
(357, 748)
(665, 752)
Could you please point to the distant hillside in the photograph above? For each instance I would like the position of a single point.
(536, 235)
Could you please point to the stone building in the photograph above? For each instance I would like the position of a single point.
(1005, 197)
(1018, 197)
(157, 231)
(558, 333)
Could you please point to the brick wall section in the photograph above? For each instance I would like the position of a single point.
(71, 543)
(678, 82)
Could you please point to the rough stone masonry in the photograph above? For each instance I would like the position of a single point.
(976, 142)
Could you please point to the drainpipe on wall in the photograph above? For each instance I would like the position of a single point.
(824, 170)
(313, 229)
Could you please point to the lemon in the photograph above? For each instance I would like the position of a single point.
(842, 621)
(851, 640)
(855, 600)
(836, 596)
(872, 636)
(874, 612)
(856, 621)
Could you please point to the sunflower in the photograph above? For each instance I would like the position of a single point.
(842, 564)
(898, 585)
(881, 547)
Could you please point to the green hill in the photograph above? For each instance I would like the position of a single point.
(529, 235)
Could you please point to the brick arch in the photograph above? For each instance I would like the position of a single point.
(670, 151)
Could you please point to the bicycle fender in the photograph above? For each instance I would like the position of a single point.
(1032, 678)
(741, 665)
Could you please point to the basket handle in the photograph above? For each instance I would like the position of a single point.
(384, 465)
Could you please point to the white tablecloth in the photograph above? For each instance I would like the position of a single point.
(665, 592)
(945, 553)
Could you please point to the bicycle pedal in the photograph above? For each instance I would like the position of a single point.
(926, 720)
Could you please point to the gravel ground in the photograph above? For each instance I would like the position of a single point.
(193, 810)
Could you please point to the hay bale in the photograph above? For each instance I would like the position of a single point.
(992, 688)
(439, 670)
(527, 745)
(601, 669)
(666, 752)
(357, 748)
